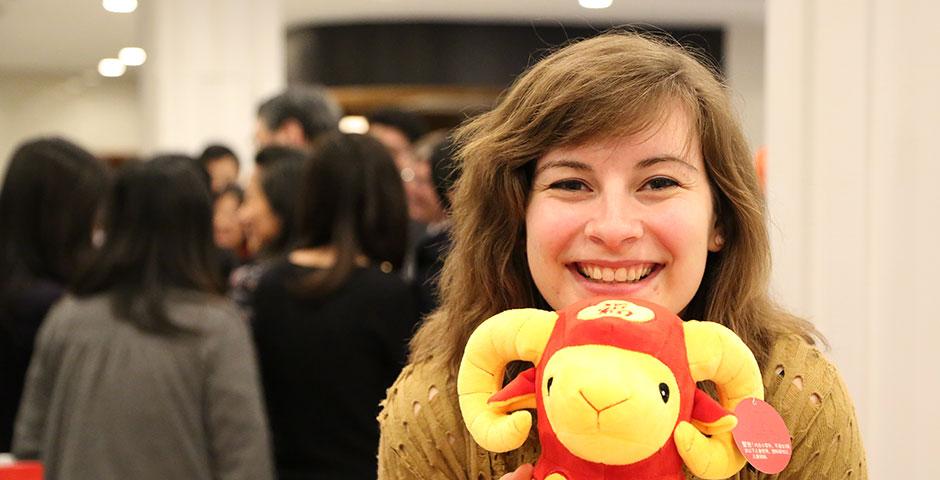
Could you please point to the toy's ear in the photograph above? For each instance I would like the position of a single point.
(518, 394)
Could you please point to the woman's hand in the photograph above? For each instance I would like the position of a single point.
(524, 472)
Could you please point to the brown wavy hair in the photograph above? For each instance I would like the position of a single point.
(613, 85)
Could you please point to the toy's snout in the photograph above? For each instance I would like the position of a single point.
(609, 405)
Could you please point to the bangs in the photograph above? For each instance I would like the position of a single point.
(573, 98)
(643, 116)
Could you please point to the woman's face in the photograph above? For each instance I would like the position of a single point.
(259, 222)
(423, 205)
(629, 216)
(226, 227)
(223, 172)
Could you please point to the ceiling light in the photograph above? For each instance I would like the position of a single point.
(595, 4)
(132, 56)
(111, 67)
(119, 6)
(353, 124)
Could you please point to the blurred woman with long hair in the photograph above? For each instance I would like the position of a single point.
(332, 320)
(48, 203)
(146, 371)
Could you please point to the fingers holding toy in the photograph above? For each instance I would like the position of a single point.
(524, 472)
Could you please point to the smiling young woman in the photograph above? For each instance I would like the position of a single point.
(613, 166)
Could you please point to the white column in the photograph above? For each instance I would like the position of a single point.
(210, 63)
(744, 63)
(853, 111)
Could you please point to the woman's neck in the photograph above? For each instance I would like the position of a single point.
(317, 257)
(320, 257)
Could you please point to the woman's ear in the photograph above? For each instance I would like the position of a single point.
(717, 240)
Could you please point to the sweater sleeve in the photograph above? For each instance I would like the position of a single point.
(423, 435)
(809, 393)
(419, 437)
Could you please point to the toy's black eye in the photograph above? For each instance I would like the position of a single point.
(664, 392)
(548, 385)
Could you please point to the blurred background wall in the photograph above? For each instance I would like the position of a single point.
(105, 118)
(852, 108)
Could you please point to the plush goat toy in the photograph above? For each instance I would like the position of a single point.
(614, 388)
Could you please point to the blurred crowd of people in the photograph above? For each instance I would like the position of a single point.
(165, 320)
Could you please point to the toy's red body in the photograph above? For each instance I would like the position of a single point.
(662, 338)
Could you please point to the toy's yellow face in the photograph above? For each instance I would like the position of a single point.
(609, 405)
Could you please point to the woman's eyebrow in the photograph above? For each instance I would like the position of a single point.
(562, 163)
(649, 162)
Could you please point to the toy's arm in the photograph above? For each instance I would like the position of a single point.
(518, 394)
(709, 416)
(711, 456)
(707, 457)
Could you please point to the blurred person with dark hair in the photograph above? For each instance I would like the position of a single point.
(227, 229)
(424, 206)
(267, 215)
(274, 153)
(435, 173)
(398, 130)
(145, 371)
(221, 163)
(296, 117)
(332, 319)
(50, 196)
(227, 232)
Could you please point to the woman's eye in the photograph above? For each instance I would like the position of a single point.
(660, 183)
(570, 185)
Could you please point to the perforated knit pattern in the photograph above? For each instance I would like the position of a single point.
(423, 436)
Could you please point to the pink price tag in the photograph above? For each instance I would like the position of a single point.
(761, 436)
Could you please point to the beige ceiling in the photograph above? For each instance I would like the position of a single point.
(72, 35)
(653, 11)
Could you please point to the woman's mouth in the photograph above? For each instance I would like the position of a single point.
(605, 274)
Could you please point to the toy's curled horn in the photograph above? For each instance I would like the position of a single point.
(511, 335)
(715, 353)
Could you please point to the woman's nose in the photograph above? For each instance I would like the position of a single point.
(243, 215)
(615, 220)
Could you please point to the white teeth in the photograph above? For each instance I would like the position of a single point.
(621, 275)
(608, 275)
(637, 273)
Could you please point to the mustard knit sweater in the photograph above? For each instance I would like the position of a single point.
(423, 436)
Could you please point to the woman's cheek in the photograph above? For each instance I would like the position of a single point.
(552, 230)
